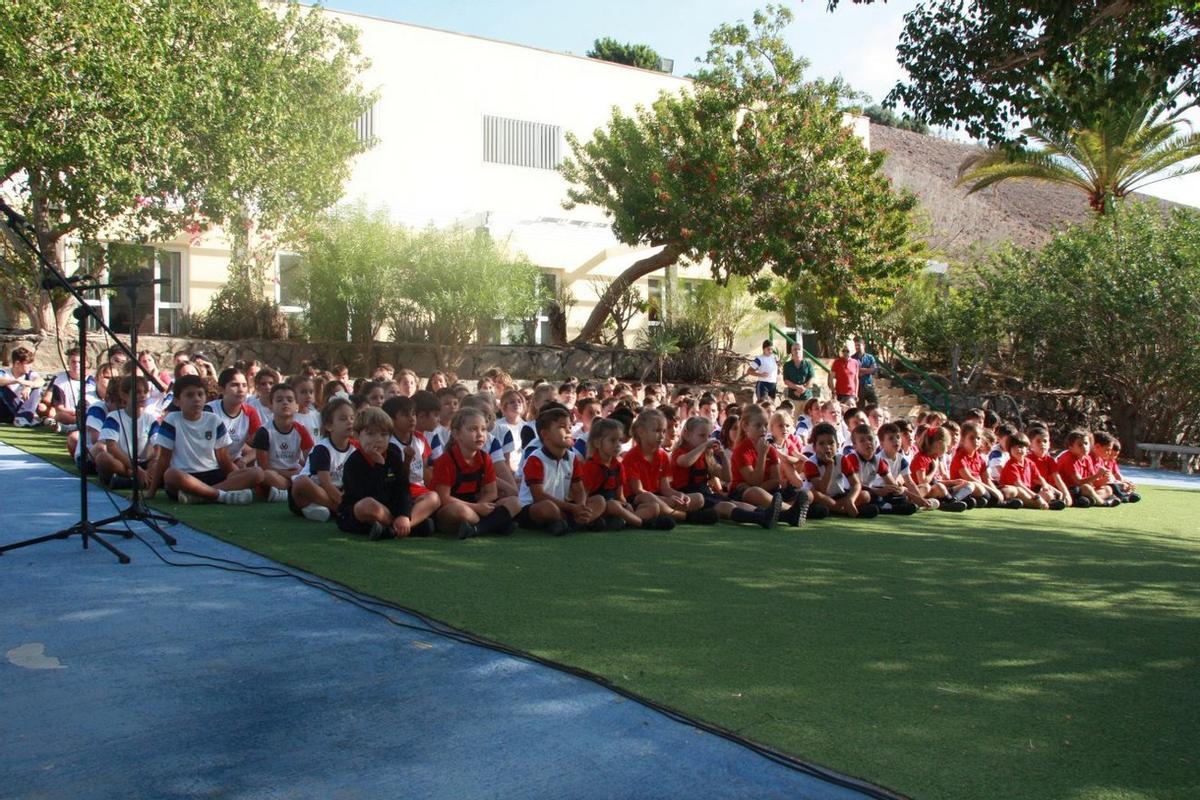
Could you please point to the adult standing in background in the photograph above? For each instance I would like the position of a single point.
(843, 377)
(866, 373)
(798, 374)
(765, 368)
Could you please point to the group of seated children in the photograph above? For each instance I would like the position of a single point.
(386, 459)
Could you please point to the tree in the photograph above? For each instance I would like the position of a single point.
(440, 287)
(660, 343)
(626, 306)
(353, 266)
(882, 115)
(1115, 144)
(755, 170)
(139, 120)
(633, 55)
(978, 65)
(727, 308)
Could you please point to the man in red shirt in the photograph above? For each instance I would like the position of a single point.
(843, 375)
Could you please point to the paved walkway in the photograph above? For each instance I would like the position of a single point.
(150, 681)
(1161, 477)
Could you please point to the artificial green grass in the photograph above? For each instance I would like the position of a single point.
(994, 654)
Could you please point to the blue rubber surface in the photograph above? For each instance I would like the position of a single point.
(150, 681)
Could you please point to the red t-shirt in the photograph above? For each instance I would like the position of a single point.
(1074, 468)
(599, 476)
(923, 468)
(975, 462)
(649, 471)
(1024, 474)
(845, 376)
(1047, 467)
(1109, 464)
(451, 466)
(745, 455)
(688, 477)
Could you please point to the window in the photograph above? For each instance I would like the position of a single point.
(289, 283)
(535, 330)
(364, 126)
(158, 306)
(548, 288)
(521, 143)
(656, 300)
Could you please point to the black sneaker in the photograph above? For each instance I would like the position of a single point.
(1134, 497)
(797, 515)
(664, 523)
(120, 482)
(817, 511)
(869, 511)
(705, 516)
(379, 531)
(771, 512)
(557, 528)
(1013, 504)
(597, 525)
(969, 501)
(1083, 502)
(950, 504)
(466, 530)
(614, 524)
(904, 509)
(425, 529)
(509, 529)
(1112, 502)
(1057, 505)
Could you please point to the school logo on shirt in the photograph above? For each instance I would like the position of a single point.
(284, 446)
(208, 435)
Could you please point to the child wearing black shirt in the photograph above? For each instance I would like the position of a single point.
(375, 496)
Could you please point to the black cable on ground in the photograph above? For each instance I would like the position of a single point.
(430, 625)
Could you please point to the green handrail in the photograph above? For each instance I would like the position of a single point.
(937, 399)
(773, 329)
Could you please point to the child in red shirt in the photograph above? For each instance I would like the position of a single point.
(698, 460)
(603, 475)
(754, 464)
(1105, 450)
(647, 474)
(1087, 483)
(926, 469)
(1020, 475)
(970, 465)
(465, 481)
(1039, 454)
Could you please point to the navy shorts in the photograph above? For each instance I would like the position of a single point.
(210, 478)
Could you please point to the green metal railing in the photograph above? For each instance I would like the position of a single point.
(773, 330)
(930, 391)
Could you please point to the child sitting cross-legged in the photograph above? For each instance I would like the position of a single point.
(698, 460)
(834, 491)
(116, 463)
(1105, 450)
(969, 465)
(241, 419)
(1039, 454)
(927, 470)
(1021, 475)
(317, 491)
(464, 477)
(754, 465)
(875, 473)
(375, 481)
(281, 444)
(1087, 482)
(500, 443)
(647, 476)
(194, 464)
(604, 476)
(899, 474)
(415, 447)
(552, 495)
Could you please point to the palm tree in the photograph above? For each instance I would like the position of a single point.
(1115, 146)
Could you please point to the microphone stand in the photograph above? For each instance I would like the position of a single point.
(87, 530)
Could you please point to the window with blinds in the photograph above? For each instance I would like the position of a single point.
(364, 126)
(521, 143)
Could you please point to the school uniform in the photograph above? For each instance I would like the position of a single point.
(602, 479)
(1024, 474)
(420, 459)
(744, 454)
(649, 471)
(242, 426)
(386, 482)
(556, 476)
(466, 479)
(194, 445)
(120, 429)
(285, 449)
(814, 471)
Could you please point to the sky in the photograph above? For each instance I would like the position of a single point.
(857, 41)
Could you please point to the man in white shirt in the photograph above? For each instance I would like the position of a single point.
(765, 369)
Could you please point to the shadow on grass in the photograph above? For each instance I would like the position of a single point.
(992, 654)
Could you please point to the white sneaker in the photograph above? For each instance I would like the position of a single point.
(316, 512)
(186, 498)
(277, 495)
(238, 497)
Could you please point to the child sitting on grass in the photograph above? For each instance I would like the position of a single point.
(754, 465)
(698, 460)
(1106, 448)
(874, 473)
(647, 475)
(464, 478)
(241, 419)
(927, 469)
(970, 466)
(194, 464)
(500, 443)
(1021, 475)
(552, 496)
(264, 381)
(1039, 454)
(604, 476)
(307, 413)
(281, 445)
(116, 463)
(317, 492)
(899, 477)
(1087, 482)
(375, 481)
(415, 447)
(833, 490)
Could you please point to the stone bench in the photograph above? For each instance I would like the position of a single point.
(1186, 454)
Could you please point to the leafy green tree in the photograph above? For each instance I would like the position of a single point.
(354, 259)
(979, 65)
(456, 283)
(754, 170)
(633, 55)
(1115, 144)
(139, 120)
(882, 115)
(661, 342)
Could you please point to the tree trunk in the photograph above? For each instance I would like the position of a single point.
(664, 258)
